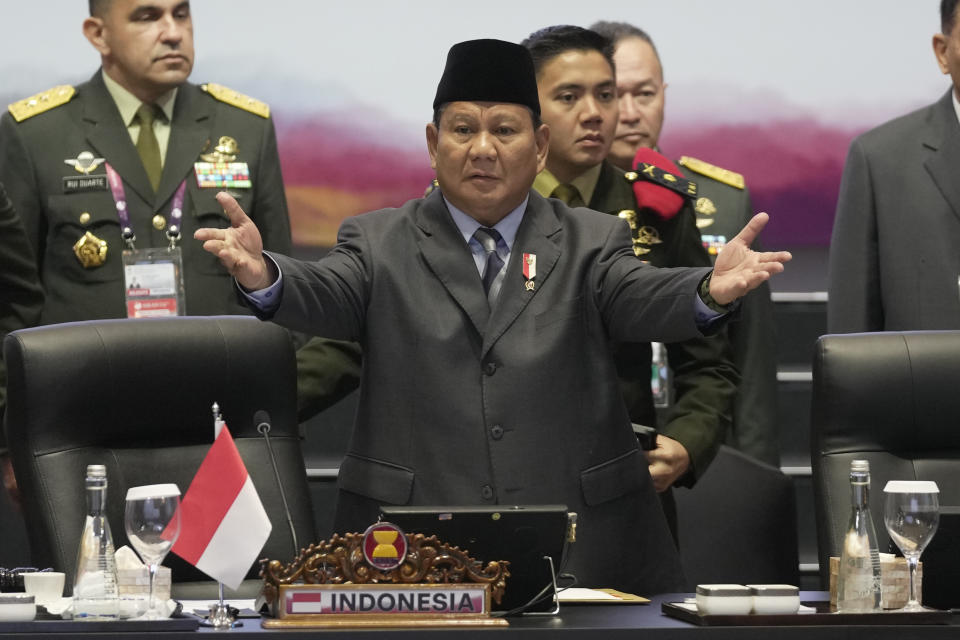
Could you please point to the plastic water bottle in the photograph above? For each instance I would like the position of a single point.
(858, 582)
(95, 595)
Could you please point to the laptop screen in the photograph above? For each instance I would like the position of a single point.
(521, 535)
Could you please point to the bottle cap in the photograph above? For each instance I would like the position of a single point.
(860, 466)
(97, 470)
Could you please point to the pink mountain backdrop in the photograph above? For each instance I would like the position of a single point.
(792, 169)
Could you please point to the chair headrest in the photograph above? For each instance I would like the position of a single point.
(890, 391)
(116, 382)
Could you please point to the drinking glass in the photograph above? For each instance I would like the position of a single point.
(152, 523)
(911, 514)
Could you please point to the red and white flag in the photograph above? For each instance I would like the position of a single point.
(223, 523)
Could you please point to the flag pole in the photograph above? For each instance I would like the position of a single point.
(220, 616)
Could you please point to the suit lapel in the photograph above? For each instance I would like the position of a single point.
(450, 259)
(108, 135)
(190, 131)
(534, 236)
(943, 137)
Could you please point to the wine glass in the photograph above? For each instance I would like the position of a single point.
(911, 514)
(152, 523)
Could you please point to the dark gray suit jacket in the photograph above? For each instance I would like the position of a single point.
(461, 405)
(895, 252)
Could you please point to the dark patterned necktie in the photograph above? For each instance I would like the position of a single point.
(488, 239)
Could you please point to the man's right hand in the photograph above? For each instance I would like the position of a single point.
(239, 248)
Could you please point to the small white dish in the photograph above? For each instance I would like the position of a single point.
(17, 607)
(775, 598)
(724, 599)
(45, 586)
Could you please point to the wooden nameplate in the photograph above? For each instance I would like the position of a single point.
(334, 584)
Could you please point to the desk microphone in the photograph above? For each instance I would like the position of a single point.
(262, 421)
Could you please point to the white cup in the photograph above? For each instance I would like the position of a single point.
(45, 586)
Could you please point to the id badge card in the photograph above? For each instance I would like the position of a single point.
(153, 280)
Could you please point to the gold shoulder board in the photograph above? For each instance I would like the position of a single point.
(43, 101)
(237, 99)
(725, 176)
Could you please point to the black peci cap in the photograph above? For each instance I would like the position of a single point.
(488, 71)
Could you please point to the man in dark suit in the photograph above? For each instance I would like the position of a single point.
(577, 90)
(485, 313)
(722, 206)
(57, 147)
(894, 259)
(21, 297)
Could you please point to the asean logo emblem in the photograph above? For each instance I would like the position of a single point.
(384, 546)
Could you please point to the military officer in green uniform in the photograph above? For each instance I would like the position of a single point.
(133, 159)
(722, 205)
(575, 79)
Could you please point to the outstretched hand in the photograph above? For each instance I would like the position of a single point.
(739, 269)
(239, 247)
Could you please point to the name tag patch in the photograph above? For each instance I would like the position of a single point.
(82, 184)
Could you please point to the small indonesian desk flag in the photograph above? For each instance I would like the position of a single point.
(224, 525)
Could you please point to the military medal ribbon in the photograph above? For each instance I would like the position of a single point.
(530, 269)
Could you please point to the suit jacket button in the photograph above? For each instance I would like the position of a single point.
(490, 368)
(486, 492)
(496, 432)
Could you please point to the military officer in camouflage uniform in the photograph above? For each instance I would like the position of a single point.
(722, 206)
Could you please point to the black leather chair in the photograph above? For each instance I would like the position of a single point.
(738, 524)
(136, 395)
(890, 398)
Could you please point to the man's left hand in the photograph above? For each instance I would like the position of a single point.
(668, 461)
(739, 269)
